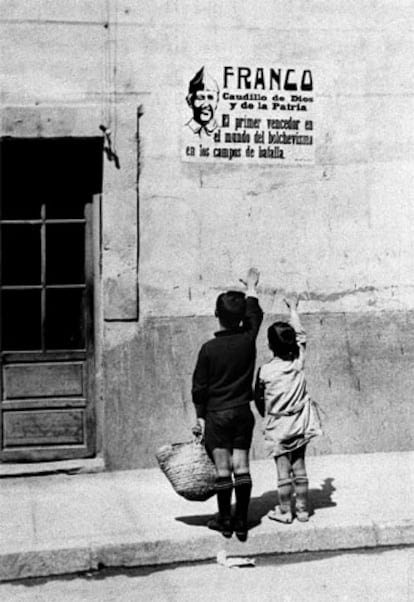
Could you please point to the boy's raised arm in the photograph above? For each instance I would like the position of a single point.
(254, 313)
(251, 282)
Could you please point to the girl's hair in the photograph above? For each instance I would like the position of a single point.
(282, 341)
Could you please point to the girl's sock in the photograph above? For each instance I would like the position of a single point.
(285, 490)
(302, 489)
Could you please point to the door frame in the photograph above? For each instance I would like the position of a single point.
(92, 356)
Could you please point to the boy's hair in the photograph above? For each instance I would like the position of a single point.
(231, 308)
(282, 341)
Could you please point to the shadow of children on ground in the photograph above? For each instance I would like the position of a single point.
(260, 506)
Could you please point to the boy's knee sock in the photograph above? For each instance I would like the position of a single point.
(224, 489)
(302, 489)
(285, 490)
(243, 489)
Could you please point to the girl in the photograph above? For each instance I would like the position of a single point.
(290, 416)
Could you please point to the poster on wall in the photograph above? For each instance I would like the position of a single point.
(248, 114)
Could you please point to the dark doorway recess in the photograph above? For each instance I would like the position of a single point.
(48, 191)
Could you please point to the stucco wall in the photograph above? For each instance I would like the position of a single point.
(340, 231)
(359, 370)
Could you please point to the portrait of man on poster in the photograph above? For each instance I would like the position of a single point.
(202, 98)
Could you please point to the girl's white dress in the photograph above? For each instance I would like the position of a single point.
(291, 417)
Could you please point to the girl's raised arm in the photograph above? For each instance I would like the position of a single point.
(296, 324)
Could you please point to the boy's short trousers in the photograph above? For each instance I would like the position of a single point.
(229, 429)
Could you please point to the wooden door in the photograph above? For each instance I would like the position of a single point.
(46, 298)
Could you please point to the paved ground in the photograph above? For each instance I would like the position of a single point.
(375, 576)
(66, 524)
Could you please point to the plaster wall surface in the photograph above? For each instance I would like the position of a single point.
(339, 231)
(359, 371)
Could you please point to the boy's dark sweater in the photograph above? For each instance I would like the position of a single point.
(223, 374)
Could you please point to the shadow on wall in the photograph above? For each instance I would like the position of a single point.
(260, 506)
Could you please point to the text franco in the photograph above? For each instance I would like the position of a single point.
(267, 79)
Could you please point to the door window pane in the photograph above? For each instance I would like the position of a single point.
(20, 254)
(20, 204)
(20, 181)
(65, 253)
(21, 320)
(67, 203)
(65, 319)
(44, 264)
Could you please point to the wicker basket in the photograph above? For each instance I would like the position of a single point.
(189, 469)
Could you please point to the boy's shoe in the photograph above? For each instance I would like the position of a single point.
(223, 525)
(240, 528)
(279, 516)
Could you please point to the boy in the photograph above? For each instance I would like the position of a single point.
(222, 391)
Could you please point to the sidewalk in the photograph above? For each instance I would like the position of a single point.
(58, 524)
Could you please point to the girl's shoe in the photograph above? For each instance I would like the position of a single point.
(279, 516)
(302, 514)
(222, 525)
